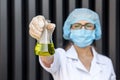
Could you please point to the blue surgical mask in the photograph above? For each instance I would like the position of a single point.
(82, 37)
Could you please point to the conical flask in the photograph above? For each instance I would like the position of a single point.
(45, 46)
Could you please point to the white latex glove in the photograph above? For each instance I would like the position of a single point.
(36, 27)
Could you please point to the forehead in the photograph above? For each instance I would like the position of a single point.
(83, 21)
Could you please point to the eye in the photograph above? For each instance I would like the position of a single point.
(76, 26)
(89, 26)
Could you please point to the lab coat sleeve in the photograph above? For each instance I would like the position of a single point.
(113, 75)
(55, 66)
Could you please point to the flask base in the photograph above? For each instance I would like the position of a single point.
(44, 49)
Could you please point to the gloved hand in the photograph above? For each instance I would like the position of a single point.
(36, 27)
(41, 30)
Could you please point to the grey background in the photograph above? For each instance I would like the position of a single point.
(17, 59)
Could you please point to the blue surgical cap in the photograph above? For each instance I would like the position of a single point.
(82, 14)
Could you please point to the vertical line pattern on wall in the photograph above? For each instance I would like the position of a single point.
(10, 25)
(112, 31)
(18, 40)
(31, 57)
(25, 23)
(118, 39)
(105, 25)
(17, 58)
(98, 9)
(3, 40)
(65, 14)
(78, 3)
(92, 4)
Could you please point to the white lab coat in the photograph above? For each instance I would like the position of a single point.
(67, 66)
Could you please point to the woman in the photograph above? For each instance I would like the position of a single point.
(80, 61)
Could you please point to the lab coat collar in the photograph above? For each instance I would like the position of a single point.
(97, 57)
(71, 53)
(95, 64)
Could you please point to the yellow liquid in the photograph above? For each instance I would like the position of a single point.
(44, 49)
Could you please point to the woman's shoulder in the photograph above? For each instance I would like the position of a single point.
(101, 58)
(104, 59)
(60, 50)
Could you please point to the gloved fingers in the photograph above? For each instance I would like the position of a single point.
(38, 23)
(41, 21)
(35, 33)
(39, 17)
(51, 26)
(33, 28)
